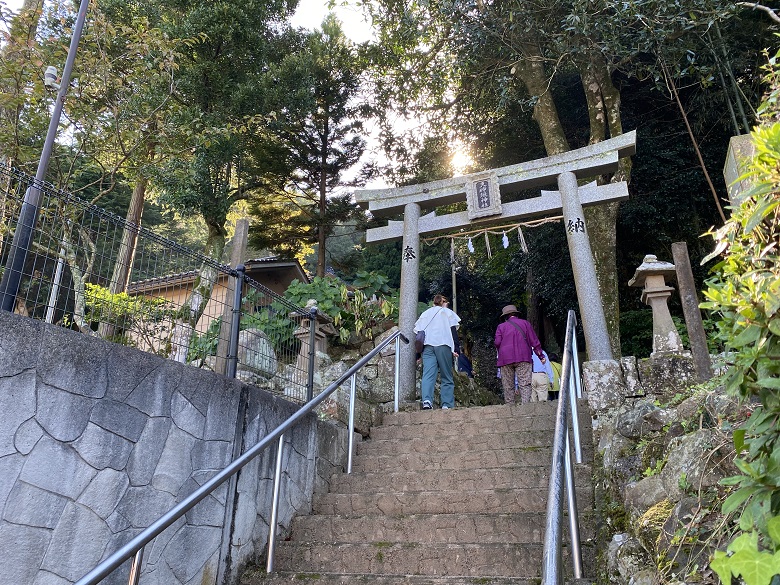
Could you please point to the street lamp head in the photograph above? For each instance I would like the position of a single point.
(50, 78)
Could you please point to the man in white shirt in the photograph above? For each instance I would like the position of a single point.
(441, 344)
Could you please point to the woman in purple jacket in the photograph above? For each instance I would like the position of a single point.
(515, 339)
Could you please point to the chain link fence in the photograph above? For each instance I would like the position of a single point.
(89, 270)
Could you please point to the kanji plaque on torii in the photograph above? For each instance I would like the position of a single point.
(482, 192)
(483, 197)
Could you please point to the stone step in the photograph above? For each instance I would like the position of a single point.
(451, 479)
(432, 424)
(484, 414)
(456, 443)
(393, 558)
(517, 456)
(425, 528)
(453, 497)
(319, 578)
(510, 500)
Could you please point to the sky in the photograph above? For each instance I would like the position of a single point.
(310, 14)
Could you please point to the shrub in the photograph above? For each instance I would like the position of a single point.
(745, 294)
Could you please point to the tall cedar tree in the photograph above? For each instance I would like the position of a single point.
(319, 130)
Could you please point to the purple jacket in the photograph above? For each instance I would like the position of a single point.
(512, 347)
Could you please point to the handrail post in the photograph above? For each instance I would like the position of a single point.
(135, 567)
(574, 524)
(575, 390)
(235, 321)
(351, 427)
(575, 421)
(397, 377)
(312, 353)
(562, 474)
(576, 364)
(269, 568)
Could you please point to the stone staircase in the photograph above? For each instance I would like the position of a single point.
(452, 497)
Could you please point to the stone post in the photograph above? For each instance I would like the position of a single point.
(410, 289)
(741, 151)
(690, 304)
(322, 328)
(651, 277)
(594, 324)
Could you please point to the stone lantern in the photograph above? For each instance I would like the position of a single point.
(651, 276)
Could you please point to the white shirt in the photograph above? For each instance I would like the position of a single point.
(436, 322)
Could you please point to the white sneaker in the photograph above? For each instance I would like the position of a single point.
(445, 407)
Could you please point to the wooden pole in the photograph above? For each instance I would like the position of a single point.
(454, 283)
(690, 305)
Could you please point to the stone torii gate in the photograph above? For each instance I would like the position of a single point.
(482, 192)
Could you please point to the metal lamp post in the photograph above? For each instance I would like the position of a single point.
(14, 266)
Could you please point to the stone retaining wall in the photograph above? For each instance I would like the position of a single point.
(98, 440)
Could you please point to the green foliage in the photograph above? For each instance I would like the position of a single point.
(275, 323)
(372, 283)
(326, 291)
(120, 308)
(746, 290)
(357, 311)
(384, 257)
(206, 344)
(147, 318)
(651, 471)
(746, 559)
(745, 293)
(683, 483)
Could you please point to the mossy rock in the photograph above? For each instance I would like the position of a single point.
(653, 452)
(649, 526)
(469, 393)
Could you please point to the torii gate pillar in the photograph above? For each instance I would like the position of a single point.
(594, 323)
(410, 284)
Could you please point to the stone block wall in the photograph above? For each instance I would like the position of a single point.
(98, 440)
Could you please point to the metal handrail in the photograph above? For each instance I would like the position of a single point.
(134, 548)
(570, 391)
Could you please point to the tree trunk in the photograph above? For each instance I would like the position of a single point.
(80, 276)
(321, 231)
(237, 254)
(191, 312)
(25, 24)
(537, 82)
(124, 261)
(604, 112)
(323, 206)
